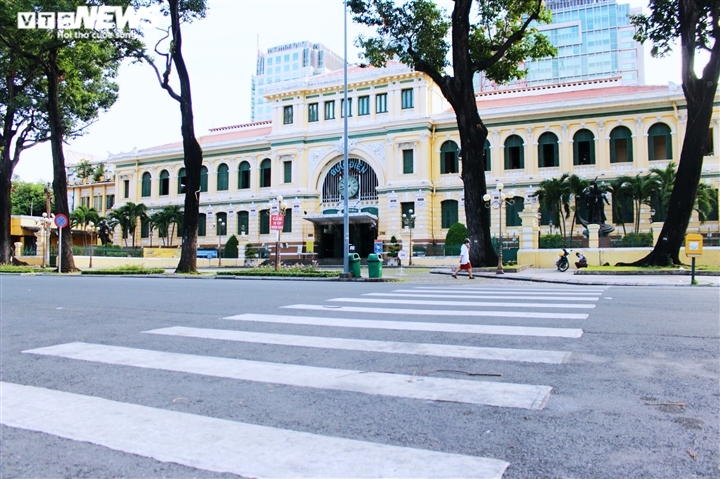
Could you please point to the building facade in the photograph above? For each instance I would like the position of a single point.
(404, 155)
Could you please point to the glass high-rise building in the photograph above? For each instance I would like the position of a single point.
(288, 62)
(594, 39)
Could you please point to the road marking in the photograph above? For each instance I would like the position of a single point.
(442, 350)
(383, 384)
(436, 312)
(463, 303)
(416, 294)
(514, 292)
(411, 325)
(220, 445)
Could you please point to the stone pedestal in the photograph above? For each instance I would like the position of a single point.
(594, 236)
(529, 230)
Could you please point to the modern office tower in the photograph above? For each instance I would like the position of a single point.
(594, 39)
(288, 62)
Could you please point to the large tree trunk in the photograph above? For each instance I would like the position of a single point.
(59, 175)
(6, 171)
(700, 96)
(192, 150)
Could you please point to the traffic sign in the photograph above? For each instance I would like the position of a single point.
(61, 221)
(277, 222)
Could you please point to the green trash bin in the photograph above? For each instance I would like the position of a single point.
(374, 266)
(354, 264)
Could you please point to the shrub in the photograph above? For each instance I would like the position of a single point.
(456, 235)
(250, 251)
(552, 241)
(394, 247)
(636, 239)
(231, 248)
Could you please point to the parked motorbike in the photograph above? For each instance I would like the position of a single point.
(563, 263)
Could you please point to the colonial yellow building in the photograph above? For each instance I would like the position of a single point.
(403, 149)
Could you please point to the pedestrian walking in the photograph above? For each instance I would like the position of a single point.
(464, 260)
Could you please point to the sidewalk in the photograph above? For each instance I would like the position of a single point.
(570, 277)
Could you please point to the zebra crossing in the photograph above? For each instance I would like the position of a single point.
(251, 450)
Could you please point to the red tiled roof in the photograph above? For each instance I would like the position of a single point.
(544, 96)
(239, 134)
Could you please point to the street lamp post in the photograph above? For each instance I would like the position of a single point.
(45, 224)
(496, 201)
(346, 167)
(220, 226)
(90, 228)
(281, 208)
(409, 222)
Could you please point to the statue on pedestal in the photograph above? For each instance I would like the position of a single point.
(595, 199)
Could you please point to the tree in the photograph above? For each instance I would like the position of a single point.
(697, 25)
(231, 247)
(181, 11)
(83, 217)
(553, 196)
(77, 83)
(160, 221)
(175, 220)
(706, 200)
(28, 198)
(127, 217)
(84, 169)
(641, 189)
(576, 187)
(617, 188)
(422, 36)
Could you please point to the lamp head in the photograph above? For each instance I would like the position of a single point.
(486, 197)
(499, 186)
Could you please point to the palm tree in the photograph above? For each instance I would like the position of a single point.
(706, 199)
(82, 217)
(666, 181)
(617, 188)
(161, 221)
(120, 217)
(175, 219)
(83, 169)
(127, 216)
(641, 189)
(576, 187)
(553, 197)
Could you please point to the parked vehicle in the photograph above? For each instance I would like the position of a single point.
(563, 263)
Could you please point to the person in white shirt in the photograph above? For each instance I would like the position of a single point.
(581, 262)
(464, 260)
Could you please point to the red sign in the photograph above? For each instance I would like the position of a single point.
(61, 221)
(277, 222)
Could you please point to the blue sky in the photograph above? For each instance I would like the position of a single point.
(221, 51)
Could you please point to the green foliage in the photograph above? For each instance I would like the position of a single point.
(83, 217)
(166, 221)
(83, 169)
(8, 268)
(636, 240)
(250, 251)
(127, 216)
(393, 247)
(553, 196)
(641, 188)
(127, 269)
(298, 271)
(552, 241)
(231, 248)
(499, 37)
(456, 235)
(25, 195)
(99, 172)
(706, 200)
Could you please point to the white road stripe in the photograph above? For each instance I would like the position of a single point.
(442, 350)
(383, 384)
(411, 325)
(463, 303)
(454, 295)
(435, 312)
(514, 292)
(220, 445)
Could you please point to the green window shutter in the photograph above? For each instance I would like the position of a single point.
(287, 171)
(287, 224)
(265, 222)
(408, 161)
(222, 179)
(203, 179)
(449, 213)
(146, 185)
(201, 224)
(486, 156)
(243, 222)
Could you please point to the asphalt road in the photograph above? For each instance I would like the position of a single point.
(636, 397)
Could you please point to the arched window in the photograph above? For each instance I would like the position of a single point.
(548, 150)
(243, 222)
(486, 155)
(181, 181)
(203, 179)
(264, 222)
(164, 183)
(584, 148)
(201, 224)
(514, 153)
(265, 173)
(659, 142)
(449, 211)
(146, 184)
(244, 175)
(449, 158)
(222, 177)
(221, 224)
(621, 150)
(512, 212)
